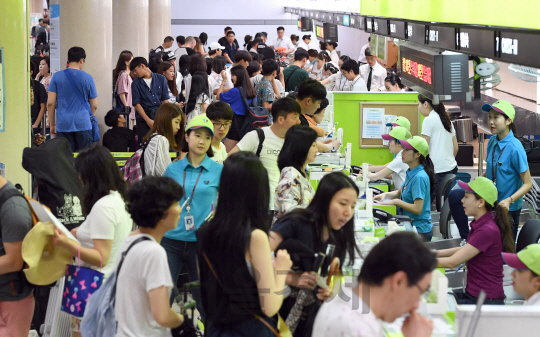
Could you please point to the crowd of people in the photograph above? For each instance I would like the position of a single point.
(236, 208)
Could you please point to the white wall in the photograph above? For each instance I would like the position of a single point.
(350, 41)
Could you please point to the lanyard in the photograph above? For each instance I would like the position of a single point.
(192, 193)
(494, 171)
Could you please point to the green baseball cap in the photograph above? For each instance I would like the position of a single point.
(417, 143)
(401, 121)
(527, 259)
(397, 132)
(483, 187)
(200, 121)
(503, 107)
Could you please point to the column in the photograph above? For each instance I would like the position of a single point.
(88, 24)
(159, 15)
(130, 28)
(15, 91)
(36, 6)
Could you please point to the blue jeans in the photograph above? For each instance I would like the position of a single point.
(460, 218)
(465, 298)
(178, 253)
(77, 140)
(426, 237)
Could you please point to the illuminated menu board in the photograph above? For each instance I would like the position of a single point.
(319, 31)
(417, 70)
(299, 23)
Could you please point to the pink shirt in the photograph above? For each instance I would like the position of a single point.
(485, 270)
(123, 86)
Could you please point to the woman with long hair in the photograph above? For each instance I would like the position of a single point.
(122, 75)
(203, 38)
(294, 189)
(413, 196)
(167, 69)
(490, 236)
(107, 222)
(247, 40)
(199, 175)
(199, 96)
(164, 136)
(197, 63)
(240, 79)
(328, 220)
(227, 262)
(438, 131)
(506, 166)
(218, 65)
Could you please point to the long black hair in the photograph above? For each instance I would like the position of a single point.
(204, 38)
(298, 141)
(183, 64)
(440, 110)
(512, 125)
(430, 170)
(242, 80)
(242, 207)
(199, 86)
(317, 215)
(502, 221)
(99, 174)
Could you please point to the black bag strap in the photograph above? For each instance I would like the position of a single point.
(244, 98)
(141, 160)
(261, 135)
(289, 77)
(141, 239)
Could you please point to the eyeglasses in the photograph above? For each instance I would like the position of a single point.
(219, 125)
(423, 292)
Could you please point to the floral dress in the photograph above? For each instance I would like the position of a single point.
(292, 191)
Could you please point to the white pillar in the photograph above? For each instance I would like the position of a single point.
(159, 15)
(88, 24)
(130, 28)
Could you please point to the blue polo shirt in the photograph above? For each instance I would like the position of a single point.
(71, 114)
(205, 193)
(149, 97)
(417, 186)
(506, 167)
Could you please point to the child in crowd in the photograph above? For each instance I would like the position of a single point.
(166, 135)
(149, 91)
(294, 188)
(199, 176)
(221, 115)
(118, 138)
(525, 277)
(413, 196)
(144, 283)
(490, 235)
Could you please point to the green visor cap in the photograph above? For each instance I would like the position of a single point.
(417, 143)
(401, 121)
(483, 187)
(200, 121)
(527, 258)
(397, 132)
(503, 107)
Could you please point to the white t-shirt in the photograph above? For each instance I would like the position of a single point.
(377, 76)
(148, 82)
(219, 154)
(441, 147)
(255, 80)
(270, 151)
(108, 220)
(338, 318)
(334, 57)
(358, 84)
(145, 268)
(533, 300)
(284, 43)
(156, 156)
(362, 57)
(399, 170)
(198, 109)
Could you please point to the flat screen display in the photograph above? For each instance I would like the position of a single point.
(417, 70)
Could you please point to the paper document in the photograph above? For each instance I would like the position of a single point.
(373, 123)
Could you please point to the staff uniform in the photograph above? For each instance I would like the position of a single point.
(378, 74)
(362, 59)
(201, 186)
(534, 300)
(358, 84)
(417, 186)
(285, 42)
(334, 56)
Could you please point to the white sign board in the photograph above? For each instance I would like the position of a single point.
(373, 123)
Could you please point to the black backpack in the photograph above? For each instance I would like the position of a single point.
(256, 116)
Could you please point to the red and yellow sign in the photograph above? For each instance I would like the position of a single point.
(418, 70)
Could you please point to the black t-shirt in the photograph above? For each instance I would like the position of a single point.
(299, 227)
(303, 120)
(231, 50)
(223, 41)
(190, 51)
(119, 139)
(40, 97)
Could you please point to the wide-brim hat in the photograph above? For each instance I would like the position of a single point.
(46, 262)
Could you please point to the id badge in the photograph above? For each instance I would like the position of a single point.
(189, 222)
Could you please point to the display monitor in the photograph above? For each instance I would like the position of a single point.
(346, 20)
(327, 32)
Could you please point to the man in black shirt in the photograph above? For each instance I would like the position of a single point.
(166, 46)
(119, 138)
(223, 40)
(39, 100)
(231, 47)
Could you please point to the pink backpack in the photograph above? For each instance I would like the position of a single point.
(134, 167)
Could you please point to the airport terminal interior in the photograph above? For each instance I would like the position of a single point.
(301, 168)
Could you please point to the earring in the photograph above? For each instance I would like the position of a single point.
(479, 206)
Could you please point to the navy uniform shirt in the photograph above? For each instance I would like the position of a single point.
(149, 97)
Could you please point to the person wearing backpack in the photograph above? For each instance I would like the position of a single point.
(240, 79)
(199, 175)
(267, 142)
(16, 297)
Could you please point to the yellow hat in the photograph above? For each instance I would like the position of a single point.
(46, 262)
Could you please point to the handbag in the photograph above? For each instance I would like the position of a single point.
(282, 327)
(79, 285)
(95, 127)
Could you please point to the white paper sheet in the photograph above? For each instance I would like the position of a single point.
(373, 123)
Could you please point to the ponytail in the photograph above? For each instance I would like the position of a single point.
(430, 170)
(501, 218)
(440, 110)
(512, 126)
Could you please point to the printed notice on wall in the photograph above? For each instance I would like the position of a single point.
(54, 42)
(2, 93)
(373, 123)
